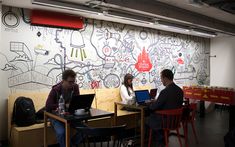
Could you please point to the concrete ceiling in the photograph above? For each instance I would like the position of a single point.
(203, 9)
(190, 5)
(176, 11)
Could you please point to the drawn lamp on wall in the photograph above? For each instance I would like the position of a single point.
(77, 44)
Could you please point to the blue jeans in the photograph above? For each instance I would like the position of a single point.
(59, 128)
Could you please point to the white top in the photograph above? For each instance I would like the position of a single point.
(126, 98)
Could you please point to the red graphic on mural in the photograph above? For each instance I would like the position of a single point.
(180, 61)
(143, 64)
(95, 84)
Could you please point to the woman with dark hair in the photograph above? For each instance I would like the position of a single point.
(126, 90)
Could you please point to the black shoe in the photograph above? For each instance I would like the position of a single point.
(160, 144)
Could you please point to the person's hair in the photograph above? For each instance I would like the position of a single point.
(68, 73)
(167, 74)
(126, 78)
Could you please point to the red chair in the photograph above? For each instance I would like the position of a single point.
(189, 117)
(171, 120)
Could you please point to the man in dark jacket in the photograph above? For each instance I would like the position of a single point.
(169, 98)
(67, 88)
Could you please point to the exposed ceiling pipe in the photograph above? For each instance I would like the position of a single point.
(116, 13)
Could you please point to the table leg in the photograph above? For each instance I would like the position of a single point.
(45, 130)
(185, 125)
(67, 134)
(142, 128)
(202, 108)
(231, 117)
(115, 115)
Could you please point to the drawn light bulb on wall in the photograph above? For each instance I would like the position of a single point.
(108, 35)
(77, 44)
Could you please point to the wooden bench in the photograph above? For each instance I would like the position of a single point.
(104, 100)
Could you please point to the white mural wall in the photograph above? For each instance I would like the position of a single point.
(33, 57)
(101, 53)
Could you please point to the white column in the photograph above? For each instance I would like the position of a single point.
(222, 66)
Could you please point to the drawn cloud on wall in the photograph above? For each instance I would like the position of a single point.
(9, 67)
(51, 61)
(4, 64)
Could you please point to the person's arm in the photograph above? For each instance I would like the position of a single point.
(51, 103)
(160, 102)
(124, 93)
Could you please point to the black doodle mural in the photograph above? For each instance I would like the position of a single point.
(101, 54)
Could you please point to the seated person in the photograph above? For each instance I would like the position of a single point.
(169, 98)
(126, 90)
(67, 88)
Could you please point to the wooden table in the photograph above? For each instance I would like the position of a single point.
(142, 113)
(217, 95)
(67, 119)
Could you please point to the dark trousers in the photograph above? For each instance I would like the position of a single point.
(157, 135)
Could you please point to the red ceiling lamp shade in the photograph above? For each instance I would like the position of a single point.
(54, 19)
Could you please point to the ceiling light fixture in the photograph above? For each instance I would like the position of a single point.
(203, 33)
(60, 5)
(129, 18)
(175, 27)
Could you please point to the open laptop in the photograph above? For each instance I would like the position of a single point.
(153, 93)
(81, 102)
(142, 96)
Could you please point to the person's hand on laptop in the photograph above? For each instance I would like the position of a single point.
(153, 100)
(150, 101)
(147, 101)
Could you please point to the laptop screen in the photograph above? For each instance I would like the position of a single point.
(81, 102)
(142, 96)
(153, 93)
